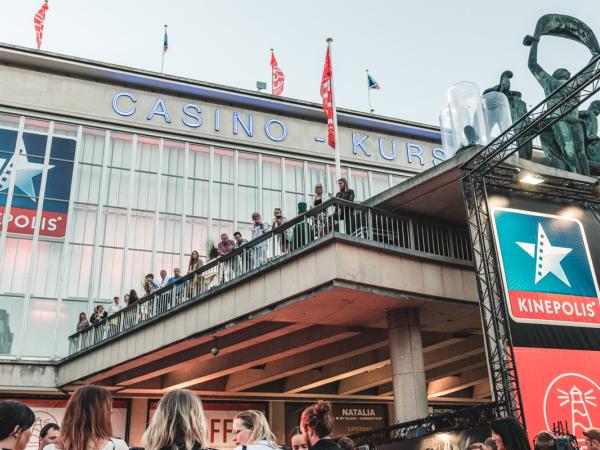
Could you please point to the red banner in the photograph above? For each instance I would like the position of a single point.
(540, 306)
(23, 221)
(559, 385)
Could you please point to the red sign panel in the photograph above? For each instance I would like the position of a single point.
(559, 385)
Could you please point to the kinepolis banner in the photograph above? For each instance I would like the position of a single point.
(549, 254)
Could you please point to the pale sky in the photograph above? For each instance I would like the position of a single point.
(415, 50)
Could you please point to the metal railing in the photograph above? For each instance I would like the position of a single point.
(333, 216)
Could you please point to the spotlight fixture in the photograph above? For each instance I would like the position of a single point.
(530, 178)
(214, 349)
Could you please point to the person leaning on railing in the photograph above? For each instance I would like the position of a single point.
(345, 193)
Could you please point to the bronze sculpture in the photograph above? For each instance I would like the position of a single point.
(592, 141)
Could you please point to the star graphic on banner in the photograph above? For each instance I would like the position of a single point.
(24, 172)
(547, 257)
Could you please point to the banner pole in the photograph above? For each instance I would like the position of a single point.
(338, 169)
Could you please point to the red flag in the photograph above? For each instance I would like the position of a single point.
(327, 104)
(277, 76)
(38, 23)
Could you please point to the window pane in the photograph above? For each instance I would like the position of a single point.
(360, 184)
(9, 121)
(197, 198)
(119, 151)
(222, 201)
(196, 234)
(11, 312)
(291, 204)
(65, 129)
(380, 182)
(271, 200)
(118, 187)
(167, 261)
(199, 162)
(84, 224)
(141, 228)
(294, 176)
(169, 233)
(79, 271)
(87, 188)
(37, 340)
(171, 194)
(139, 263)
(173, 158)
(111, 268)
(248, 169)
(115, 223)
(146, 154)
(271, 168)
(38, 125)
(247, 202)
(223, 165)
(67, 324)
(333, 182)
(144, 191)
(13, 276)
(45, 279)
(92, 146)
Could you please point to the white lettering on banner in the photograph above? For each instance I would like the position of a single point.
(23, 221)
(358, 412)
(245, 125)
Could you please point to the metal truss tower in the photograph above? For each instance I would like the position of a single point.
(485, 169)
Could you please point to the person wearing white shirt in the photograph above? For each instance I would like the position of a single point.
(115, 307)
(164, 279)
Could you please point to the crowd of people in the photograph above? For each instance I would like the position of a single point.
(179, 423)
(225, 246)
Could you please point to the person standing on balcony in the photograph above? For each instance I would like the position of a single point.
(195, 262)
(225, 247)
(239, 240)
(318, 195)
(114, 307)
(83, 322)
(164, 279)
(343, 212)
(149, 284)
(283, 238)
(259, 252)
(176, 276)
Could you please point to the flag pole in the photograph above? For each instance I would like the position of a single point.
(271, 72)
(369, 92)
(338, 169)
(162, 62)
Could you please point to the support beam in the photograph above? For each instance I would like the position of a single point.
(471, 346)
(452, 384)
(482, 390)
(455, 367)
(228, 343)
(272, 350)
(340, 370)
(365, 381)
(327, 354)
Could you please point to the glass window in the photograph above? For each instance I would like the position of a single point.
(141, 229)
(316, 174)
(119, 151)
(138, 264)
(65, 129)
(360, 184)
(219, 227)
(173, 158)
(271, 170)
(171, 194)
(118, 187)
(222, 201)
(37, 125)
(199, 162)
(9, 121)
(381, 182)
(144, 191)
(41, 319)
(294, 176)
(223, 166)
(17, 256)
(197, 198)
(79, 270)
(111, 268)
(87, 188)
(146, 154)
(67, 324)
(167, 261)
(45, 278)
(169, 233)
(333, 182)
(196, 235)
(247, 202)
(247, 169)
(11, 313)
(291, 204)
(83, 224)
(271, 200)
(115, 223)
(92, 146)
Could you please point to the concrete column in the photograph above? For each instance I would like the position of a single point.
(137, 423)
(408, 371)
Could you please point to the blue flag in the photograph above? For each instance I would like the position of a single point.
(372, 83)
(166, 41)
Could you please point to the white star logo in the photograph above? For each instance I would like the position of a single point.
(547, 257)
(24, 172)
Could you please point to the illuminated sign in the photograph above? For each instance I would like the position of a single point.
(22, 161)
(547, 269)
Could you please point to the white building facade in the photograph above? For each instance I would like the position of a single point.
(108, 173)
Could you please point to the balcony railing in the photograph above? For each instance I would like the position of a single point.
(333, 216)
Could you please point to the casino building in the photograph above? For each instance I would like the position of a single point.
(109, 173)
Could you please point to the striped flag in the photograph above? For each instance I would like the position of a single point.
(372, 83)
(277, 79)
(38, 23)
(166, 41)
(326, 94)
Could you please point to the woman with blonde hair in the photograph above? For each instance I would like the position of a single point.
(178, 424)
(251, 430)
(86, 424)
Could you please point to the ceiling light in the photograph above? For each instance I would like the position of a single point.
(532, 179)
